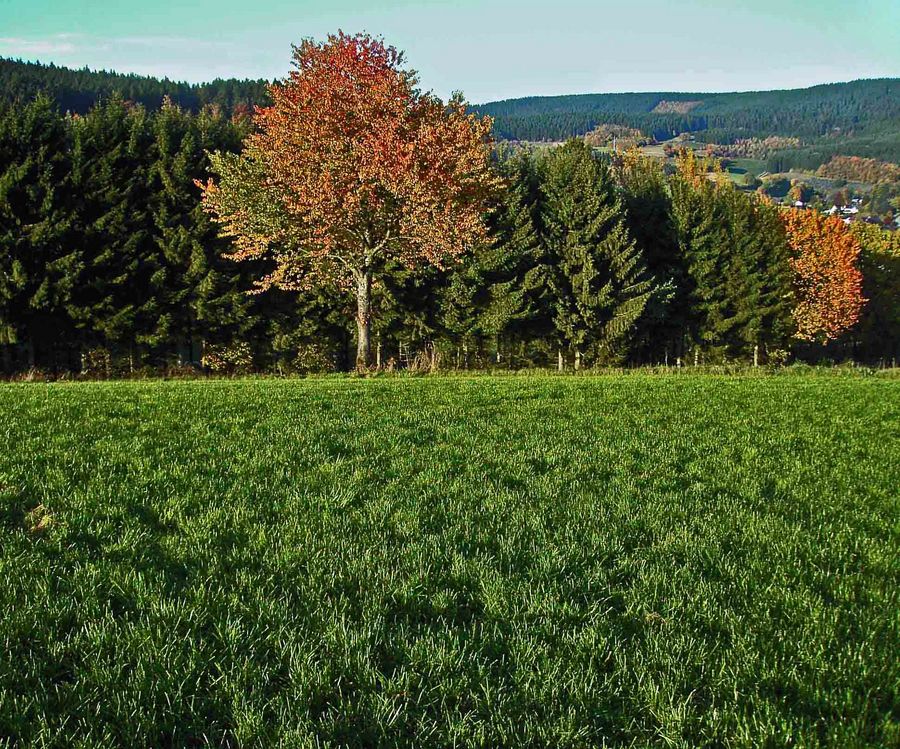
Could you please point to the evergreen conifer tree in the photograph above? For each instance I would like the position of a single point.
(648, 213)
(36, 261)
(598, 279)
(702, 232)
(116, 304)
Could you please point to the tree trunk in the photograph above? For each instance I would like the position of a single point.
(363, 318)
(559, 360)
(577, 359)
(756, 356)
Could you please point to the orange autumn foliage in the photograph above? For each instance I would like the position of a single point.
(828, 283)
(352, 165)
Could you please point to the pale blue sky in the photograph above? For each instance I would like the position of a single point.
(489, 50)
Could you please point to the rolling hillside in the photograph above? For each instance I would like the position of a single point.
(856, 107)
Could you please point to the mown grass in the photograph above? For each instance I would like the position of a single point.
(567, 562)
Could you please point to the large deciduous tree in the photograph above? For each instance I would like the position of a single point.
(353, 168)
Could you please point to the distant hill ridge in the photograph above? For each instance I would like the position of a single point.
(78, 90)
(814, 112)
(858, 118)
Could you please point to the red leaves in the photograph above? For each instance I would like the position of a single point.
(828, 283)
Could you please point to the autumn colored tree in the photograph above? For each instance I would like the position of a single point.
(352, 169)
(828, 283)
(799, 192)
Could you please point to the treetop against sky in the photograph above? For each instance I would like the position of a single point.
(490, 50)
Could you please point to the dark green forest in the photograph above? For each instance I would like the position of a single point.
(108, 265)
(77, 91)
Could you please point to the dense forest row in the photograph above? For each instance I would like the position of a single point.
(108, 264)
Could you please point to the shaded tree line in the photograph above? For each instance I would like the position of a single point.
(108, 264)
(107, 260)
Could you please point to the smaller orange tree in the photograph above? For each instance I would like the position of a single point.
(351, 167)
(828, 283)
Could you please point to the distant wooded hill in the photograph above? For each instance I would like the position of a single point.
(857, 107)
(860, 118)
(78, 90)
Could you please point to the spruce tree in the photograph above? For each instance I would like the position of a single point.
(736, 255)
(701, 227)
(200, 294)
(758, 276)
(515, 265)
(598, 278)
(498, 292)
(648, 214)
(36, 259)
(116, 304)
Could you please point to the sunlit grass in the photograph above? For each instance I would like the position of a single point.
(629, 561)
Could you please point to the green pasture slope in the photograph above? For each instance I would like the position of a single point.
(637, 561)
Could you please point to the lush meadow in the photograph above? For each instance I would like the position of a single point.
(536, 561)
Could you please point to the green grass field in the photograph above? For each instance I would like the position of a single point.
(637, 561)
(738, 169)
